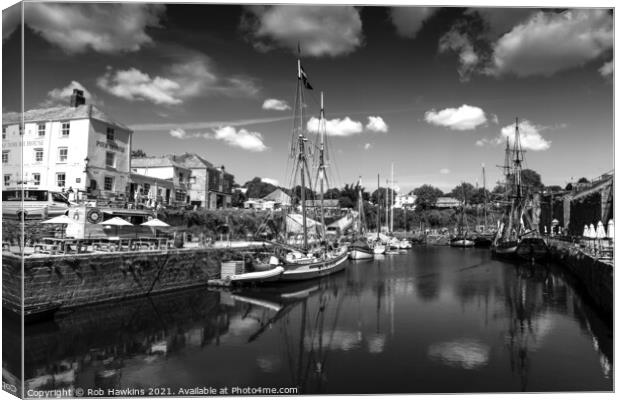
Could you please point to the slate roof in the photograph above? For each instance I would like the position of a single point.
(154, 162)
(192, 160)
(63, 113)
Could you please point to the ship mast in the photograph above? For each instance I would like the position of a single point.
(484, 194)
(392, 201)
(299, 153)
(321, 175)
(360, 207)
(378, 206)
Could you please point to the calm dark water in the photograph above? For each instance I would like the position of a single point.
(433, 320)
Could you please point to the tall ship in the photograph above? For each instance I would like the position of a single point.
(360, 249)
(462, 238)
(517, 236)
(311, 255)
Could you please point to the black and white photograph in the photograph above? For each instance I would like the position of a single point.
(208, 199)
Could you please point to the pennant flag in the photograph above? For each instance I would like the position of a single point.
(304, 78)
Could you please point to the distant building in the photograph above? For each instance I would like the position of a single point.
(273, 201)
(405, 200)
(164, 168)
(210, 187)
(77, 146)
(279, 197)
(447, 202)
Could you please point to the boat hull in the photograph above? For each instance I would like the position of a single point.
(462, 243)
(506, 250)
(532, 249)
(299, 272)
(258, 276)
(361, 254)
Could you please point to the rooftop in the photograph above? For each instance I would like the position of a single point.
(193, 160)
(63, 113)
(155, 162)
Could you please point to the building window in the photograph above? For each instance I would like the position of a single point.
(7, 180)
(181, 177)
(109, 159)
(21, 129)
(179, 196)
(5, 157)
(4, 132)
(37, 179)
(60, 179)
(41, 129)
(108, 183)
(109, 133)
(38, 155)
(146, 188)
(66, 127)
(62, 154)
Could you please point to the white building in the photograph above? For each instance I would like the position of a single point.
(404, 200)
(165, 168)
(76, 146)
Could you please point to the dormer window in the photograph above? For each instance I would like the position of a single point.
(41, 129)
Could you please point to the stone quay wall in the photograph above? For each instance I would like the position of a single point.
(76, 280)
(597, 276)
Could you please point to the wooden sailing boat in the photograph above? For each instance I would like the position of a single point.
(461, 238)
(323, 258)
(513, 238)
(360, 250)
(377, 246)
(484, 237)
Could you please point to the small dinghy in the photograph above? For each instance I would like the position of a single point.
(258, 276)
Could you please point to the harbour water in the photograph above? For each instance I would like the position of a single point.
(436, 319)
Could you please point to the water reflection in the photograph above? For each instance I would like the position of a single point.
(461, 353)
(440, 314)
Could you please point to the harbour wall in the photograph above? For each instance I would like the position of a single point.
(596, 275)
(82, 279)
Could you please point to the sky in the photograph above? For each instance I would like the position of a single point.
(435, 91)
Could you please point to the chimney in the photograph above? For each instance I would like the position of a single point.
(77, 98)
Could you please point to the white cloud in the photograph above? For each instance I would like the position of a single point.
(178, 133)
(194, 77)
(247, 140)
(409, 20)
(102, 27)
(133, 84)
(321, 30)
(252, 141)
(444, 171)
(367, 146)
(62, 96)
(460, 43)
(376, 124)
(463, 118)
(529, 135)
(607, 69)
(273, 182)
(549, 42)
(336, 126)
(275, 104)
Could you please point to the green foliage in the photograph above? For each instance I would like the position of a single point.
(138, 153)
(258, 189)
(463, 192)
(426, 196)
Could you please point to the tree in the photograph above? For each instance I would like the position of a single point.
(583, 180)
(553, 188)
(463, 192)
(479, 196)
(531, 180)
(385, 196)
(238, 198)
(257, 189)
(426, 196)
(138, 153)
